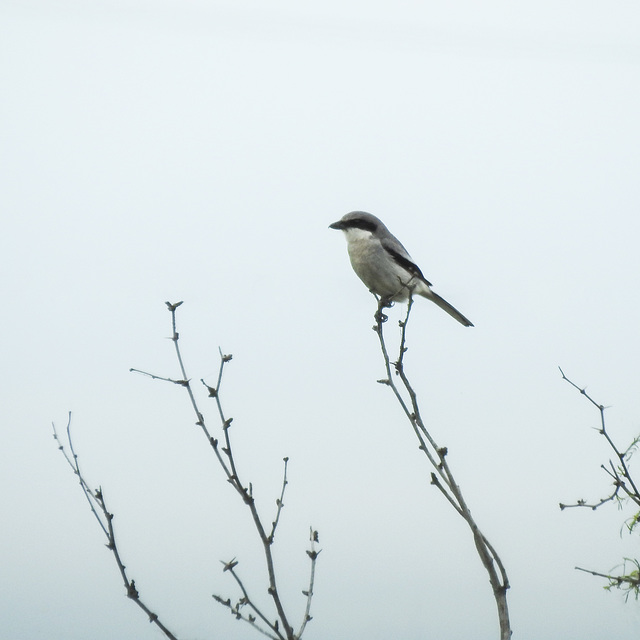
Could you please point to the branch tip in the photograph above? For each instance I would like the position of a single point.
(229, 566)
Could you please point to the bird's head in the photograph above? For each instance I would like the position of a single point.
(357, 220)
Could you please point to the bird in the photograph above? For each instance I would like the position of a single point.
(384, 265)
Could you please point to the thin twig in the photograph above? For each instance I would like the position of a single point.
(105, 519)
(230, 566)
(235, 611)
(629, 582)
(313, 555)
(279, 502)
(75, 466)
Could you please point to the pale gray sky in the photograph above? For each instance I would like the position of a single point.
(198, 151)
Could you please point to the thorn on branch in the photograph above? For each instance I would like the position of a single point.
(384, 381)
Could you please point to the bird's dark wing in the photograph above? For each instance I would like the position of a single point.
(406, 263)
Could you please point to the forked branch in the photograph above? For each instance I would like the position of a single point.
(617, 468)
(246, 608)
(442, 476)
(624, 489)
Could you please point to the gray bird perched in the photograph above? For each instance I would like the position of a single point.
(384, 265)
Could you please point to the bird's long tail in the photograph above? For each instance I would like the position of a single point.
(450, 309)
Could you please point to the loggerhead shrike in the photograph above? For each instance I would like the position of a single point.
(384, 265)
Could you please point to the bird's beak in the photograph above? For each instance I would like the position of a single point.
(336, 225)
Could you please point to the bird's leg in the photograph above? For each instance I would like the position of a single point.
(405, 285)
(384, 302)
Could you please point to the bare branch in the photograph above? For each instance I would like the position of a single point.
(313, 555)
(442, 476)
(618, 470)
(279, 502)
(281, 628)
(74, 463)
(105, 519)
(246, 600)
(623, 484)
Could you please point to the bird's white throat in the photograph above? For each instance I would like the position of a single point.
(353, 234)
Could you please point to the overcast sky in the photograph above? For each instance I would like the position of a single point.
(198, 151)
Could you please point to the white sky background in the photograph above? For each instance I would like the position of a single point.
(198, 151)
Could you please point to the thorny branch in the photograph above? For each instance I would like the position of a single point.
(280, 628)
(442, 477)
(624, 488)
(618, 471)
(236, 608)
(105, 520)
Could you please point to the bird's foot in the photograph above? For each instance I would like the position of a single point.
(383, 303)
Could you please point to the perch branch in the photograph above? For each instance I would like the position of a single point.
(442, 476)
